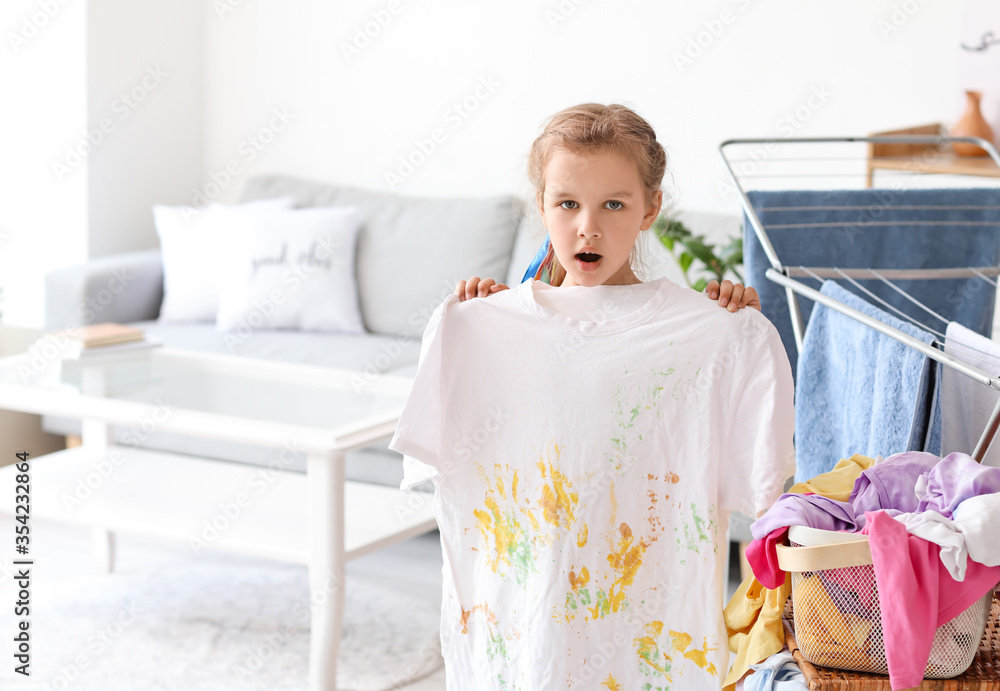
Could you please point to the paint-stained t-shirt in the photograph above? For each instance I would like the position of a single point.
(586, 447)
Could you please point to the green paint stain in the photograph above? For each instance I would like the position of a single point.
(699, 523)
(696, 531)
(627, 417)
(519, 553)
(496, 647)
(602, 604)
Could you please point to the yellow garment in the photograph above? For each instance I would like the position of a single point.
(837, 483)
(753, 623)
(753, 615)
(826, 635)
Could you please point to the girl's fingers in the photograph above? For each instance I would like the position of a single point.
(751, 299)
(736, 300)
(725, 292)
(712, 289)
(474, 287)
(470, 287)
(484, 287)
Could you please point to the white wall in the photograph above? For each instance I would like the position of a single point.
(145, 79)
(107, 119)
(260, 86)
(43, 219)
(356, 115)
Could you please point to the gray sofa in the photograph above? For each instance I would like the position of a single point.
(410, 254)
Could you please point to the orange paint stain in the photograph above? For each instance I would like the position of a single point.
(558, 502)
(681, 640)
(495, 529)
(611, 684)
(673, 477)
(531, 517)
(485, 608)
(648, 649)
(700, 658)
(577, 582)
(581, 537)
(625, 560)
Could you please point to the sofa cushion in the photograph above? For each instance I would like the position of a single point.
(411, 251)
(192, 241)
(292, 269)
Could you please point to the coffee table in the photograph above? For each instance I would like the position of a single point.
(318, 518)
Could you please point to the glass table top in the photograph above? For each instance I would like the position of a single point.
(249, 388)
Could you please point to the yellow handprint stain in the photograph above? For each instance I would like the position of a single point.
(514, 526)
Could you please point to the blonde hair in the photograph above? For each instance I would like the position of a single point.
(598, 128)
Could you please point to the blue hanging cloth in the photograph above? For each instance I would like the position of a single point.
(541, 266)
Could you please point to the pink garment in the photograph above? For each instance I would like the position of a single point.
(916, 594)
(763, 559)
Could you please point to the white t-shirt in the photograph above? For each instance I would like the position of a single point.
(587, 445)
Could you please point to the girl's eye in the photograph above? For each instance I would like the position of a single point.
(617, 205)
(563, 204)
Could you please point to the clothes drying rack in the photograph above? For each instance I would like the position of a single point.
(762, 156)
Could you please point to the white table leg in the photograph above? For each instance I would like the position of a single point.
(104, 549)
(326, 566)
(95, 433)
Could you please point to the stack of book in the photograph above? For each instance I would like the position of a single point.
(100, 341)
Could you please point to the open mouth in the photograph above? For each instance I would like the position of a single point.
(588, 257)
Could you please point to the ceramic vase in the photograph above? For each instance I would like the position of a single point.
(971, 124)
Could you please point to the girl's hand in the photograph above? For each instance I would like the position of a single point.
(474, 288)
(734, 296)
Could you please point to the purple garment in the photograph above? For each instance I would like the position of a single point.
(956, 478)
(812, 510)
(891, 484)
(852, 596)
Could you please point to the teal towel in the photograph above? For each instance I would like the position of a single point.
(884, 228)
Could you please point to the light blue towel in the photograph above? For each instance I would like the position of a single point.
(880, 228)
(857, 390)
(780, 672)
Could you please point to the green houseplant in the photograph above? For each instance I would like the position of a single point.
(700, 261)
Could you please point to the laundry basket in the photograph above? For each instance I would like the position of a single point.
(836, 608)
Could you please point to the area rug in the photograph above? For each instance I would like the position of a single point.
(175, 621)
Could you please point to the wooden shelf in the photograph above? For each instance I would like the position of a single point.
(925, 158)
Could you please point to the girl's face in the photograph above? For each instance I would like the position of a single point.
(594, 207)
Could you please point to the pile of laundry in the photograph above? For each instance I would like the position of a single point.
(932, 526)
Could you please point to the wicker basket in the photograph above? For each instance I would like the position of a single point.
(836, 608)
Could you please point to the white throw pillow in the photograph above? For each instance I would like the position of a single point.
(293, 270)
(192, 242)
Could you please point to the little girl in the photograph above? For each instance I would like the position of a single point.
(588, 438)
